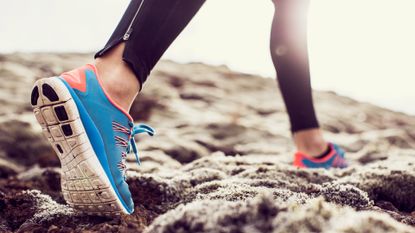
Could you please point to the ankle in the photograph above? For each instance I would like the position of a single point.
(118, 81)
(310, 142)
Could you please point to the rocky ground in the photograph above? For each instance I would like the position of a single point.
(220, 161)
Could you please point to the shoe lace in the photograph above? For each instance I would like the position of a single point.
(138, 129)
(131, 145)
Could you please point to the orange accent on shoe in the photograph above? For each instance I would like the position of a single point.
(299, 155)
(94, 69)
(76, 78)
(298, 161)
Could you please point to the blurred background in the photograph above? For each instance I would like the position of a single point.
(221, 161)
(359, 48)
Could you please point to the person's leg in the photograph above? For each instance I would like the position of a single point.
(84, 112)
(110, 68)
(144, 33)
(290, 57)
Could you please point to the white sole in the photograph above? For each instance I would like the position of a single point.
(85, 185)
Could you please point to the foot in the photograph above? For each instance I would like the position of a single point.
(91, 135)
(333, 159)
(310, 141)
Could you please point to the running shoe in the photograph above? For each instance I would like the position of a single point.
(334, 159)
(92, 136)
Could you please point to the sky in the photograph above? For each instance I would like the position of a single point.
(359, 48)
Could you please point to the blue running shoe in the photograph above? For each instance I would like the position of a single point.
(92, 136)
(334, 159)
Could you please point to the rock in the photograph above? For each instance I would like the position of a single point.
(19, 143)
(263, 214)
(220, 160)
(8, 168)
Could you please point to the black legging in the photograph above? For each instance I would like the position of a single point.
(148, 27)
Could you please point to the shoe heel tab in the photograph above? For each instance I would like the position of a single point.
(92, 67)
(76, 78)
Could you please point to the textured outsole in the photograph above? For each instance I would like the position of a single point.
(85, 186)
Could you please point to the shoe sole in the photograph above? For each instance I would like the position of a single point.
(85, 185)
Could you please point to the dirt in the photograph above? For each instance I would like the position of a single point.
(221, 160)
